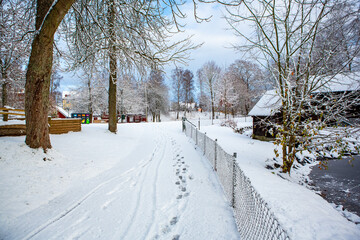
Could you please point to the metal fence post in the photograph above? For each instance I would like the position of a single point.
(215, 168)
(183, 124)
(199, 123)
(197, 142)
(191, 131)
(233, 180)
(204, 143)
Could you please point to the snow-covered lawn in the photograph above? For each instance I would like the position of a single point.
(146, 182)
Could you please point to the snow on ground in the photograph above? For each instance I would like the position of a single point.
(302, 213)
(11, 122)
(146, 182)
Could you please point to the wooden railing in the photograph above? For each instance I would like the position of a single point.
(9, 111)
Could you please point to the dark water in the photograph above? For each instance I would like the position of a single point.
(340, 183)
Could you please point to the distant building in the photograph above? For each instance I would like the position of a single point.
(61, 113)
(67, 100)
(188, 106)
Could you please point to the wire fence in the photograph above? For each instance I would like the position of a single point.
(252, 214)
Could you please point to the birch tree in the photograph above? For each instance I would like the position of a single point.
(177, 89)
(286, 34)
(188, 88)
(209, 74)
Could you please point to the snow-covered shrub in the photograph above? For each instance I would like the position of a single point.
(229, 123)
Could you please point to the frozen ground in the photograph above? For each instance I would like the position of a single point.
(146, 182)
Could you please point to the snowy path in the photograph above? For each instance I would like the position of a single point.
(160, 189)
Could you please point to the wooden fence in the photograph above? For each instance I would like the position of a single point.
(64, 125)
(56, 126)
(9, 111)
(13, 130)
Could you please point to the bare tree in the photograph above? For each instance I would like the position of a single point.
(286, 35)
(209, 74)
(177, 89)
(203, 98)
(92, 95)
(16, 19)
(248, 83)
(130, 95)
(225, 92)
(188, 88)
(338, 39)
(157, 95)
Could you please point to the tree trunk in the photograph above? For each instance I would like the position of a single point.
(90, 108)
(113, 68)
(212, 107)
(5, 94)
(38, 74)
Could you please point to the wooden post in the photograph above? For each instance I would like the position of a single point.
(6, 116)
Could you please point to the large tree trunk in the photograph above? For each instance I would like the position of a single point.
(38, 74)
(113, 68)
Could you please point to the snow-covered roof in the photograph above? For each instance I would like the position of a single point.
(63, 111)
(340, 83)
(270, 101)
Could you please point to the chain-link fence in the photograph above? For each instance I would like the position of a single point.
(253, 216)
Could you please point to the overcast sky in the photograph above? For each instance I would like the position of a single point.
(217, 42)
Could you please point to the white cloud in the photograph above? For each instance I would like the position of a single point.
(215, 35)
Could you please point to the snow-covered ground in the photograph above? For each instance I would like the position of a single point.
(302, 213)
(146, 182)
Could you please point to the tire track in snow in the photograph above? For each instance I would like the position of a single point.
(143, 194)
(155, 183)
(73, 207)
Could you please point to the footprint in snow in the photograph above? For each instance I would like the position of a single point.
(173, 221)
(176, 237)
